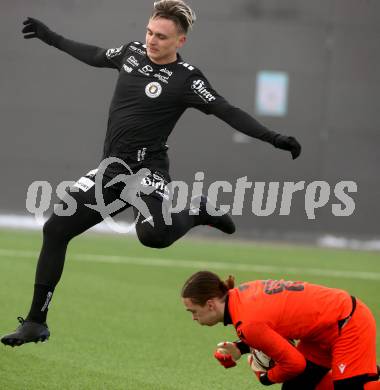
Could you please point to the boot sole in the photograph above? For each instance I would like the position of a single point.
(12, 342)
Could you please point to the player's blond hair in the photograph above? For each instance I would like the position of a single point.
(205, 285)
(177, 11)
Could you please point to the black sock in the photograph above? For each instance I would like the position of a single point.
(40, 304)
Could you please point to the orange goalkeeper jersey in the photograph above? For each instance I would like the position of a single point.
(267, 313)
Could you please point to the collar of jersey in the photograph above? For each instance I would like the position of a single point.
(169, 65)
(227, 316)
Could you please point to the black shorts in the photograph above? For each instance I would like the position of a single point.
(153, 182)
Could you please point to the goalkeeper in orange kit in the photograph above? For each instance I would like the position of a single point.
(336, 332)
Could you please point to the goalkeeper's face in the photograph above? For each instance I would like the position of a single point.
(209, 314)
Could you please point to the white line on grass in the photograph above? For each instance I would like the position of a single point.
(179, 263)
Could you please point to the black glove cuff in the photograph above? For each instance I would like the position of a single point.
(54, 39)
(264, 380)
(243, 347)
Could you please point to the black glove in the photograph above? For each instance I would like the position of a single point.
(243, 347)
(36, 29)
(288, 143)
(264, 380)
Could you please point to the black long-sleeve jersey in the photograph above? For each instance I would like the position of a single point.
(150, 98)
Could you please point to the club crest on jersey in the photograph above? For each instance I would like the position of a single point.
(153, 89)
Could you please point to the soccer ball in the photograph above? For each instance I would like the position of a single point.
(260, 361)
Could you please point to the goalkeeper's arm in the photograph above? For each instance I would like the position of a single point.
(289, 360)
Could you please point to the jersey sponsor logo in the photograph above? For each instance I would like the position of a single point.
(92, 173)
(186, 65)
(110, 53)
(157, 182)
(199, 88)
(146, 70)
(162, 78)
(127, 68)
(137, 50)
(47, 301)
(194, 211)
(141, 154)
(157, 177)
(132, 61)
(342, 367)
(166, 71)
(84, 183)
(165, 76)
(153, 90)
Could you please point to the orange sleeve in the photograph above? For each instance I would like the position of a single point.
(289, 361)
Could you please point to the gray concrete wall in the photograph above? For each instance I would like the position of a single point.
(54, 109)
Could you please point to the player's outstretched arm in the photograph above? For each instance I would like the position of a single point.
(202, 96)
(91, 55)
(248, 125)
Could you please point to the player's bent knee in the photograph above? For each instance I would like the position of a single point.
(153, 239)
(53, 229)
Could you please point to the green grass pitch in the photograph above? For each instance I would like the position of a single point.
(116, 317)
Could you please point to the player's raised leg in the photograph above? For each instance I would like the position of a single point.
(160, 234)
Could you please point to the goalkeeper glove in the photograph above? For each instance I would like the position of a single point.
(36, 29)
(227, 353)
(261, 375)
(288, 143)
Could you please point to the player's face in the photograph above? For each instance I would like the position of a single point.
(163, 40)
(205, 315)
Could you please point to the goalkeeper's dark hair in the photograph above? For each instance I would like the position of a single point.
(205, 285)
(177, 11)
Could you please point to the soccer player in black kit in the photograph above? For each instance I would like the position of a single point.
(154, 87)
